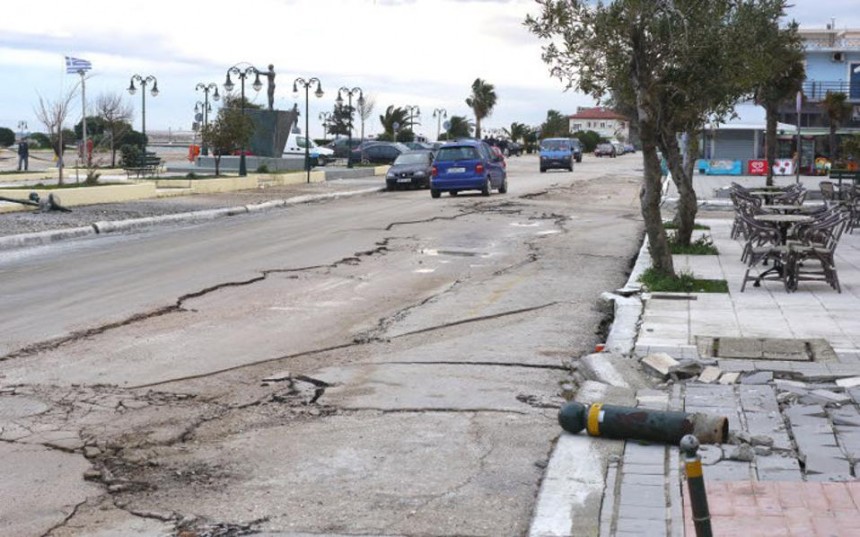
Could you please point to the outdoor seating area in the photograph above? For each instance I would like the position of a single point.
(788, 241)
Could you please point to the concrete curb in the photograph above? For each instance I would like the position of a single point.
(105, 227)
(44, 237)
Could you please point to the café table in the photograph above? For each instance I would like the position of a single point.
(766, 195)
(779, 208)
(783, 223)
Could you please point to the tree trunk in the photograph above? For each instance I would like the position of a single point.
(832, 140)
(770, 140)
(685, 216)
(649, 197)
(477, 127)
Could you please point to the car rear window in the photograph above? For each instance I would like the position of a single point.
(555, 145)
(411, 158)
(466, 152)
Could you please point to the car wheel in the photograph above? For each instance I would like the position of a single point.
(578, 159)
(487, 186)
(543, 170)
(503, 188)
(434, 193)
(454, 192)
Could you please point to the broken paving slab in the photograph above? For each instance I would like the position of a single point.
(710, 374)
(760, 377)
(850, 382)
(659, 363)
(825, 397)
(613, 369)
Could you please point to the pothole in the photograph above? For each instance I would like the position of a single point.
(455, 253)
(782, 349)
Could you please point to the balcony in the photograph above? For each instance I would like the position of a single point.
(832, 43)
(816, 90)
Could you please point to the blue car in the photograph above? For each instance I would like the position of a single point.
(557, 153)
(467, 165)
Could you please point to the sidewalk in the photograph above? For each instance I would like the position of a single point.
(785, 370)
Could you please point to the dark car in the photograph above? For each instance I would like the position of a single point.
(377, 152)
(576, 145)
(467, 165)
(411, 169)
(514, 149)
(418, 145)
(341, 146)
(604, 150)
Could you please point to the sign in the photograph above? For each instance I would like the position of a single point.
(757, 167)
(783, 166)
(447, 125)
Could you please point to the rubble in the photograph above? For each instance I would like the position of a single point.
(659, 363)
(710, 374)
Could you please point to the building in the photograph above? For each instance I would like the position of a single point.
(832, 61)
(604, 121)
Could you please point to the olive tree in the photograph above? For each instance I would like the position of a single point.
(673, 64)
(52, 114)
(229, 132)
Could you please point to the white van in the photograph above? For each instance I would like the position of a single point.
(295, 147)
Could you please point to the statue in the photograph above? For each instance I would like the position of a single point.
(270, 76)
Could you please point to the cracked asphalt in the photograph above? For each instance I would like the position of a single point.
(390, 365)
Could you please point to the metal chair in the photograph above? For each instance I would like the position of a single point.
(812, 257)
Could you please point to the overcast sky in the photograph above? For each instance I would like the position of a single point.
(400, 52)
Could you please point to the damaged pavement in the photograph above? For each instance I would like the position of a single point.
(407, 386)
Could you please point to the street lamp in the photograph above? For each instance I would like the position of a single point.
(143, 81)
(439, 113)
(326, 118)
(414, 111)
(228, 85)
(22, 128)
(339, 101)
(319, 93)
(206, 106)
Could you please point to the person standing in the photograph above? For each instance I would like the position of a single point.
(23, 155)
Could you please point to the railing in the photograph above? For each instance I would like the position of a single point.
(836, 43)
(816, 90)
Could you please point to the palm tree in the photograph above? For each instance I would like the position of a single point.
(517, 131)
(394, 114)
(460, 128)
(838, 110)
(482, 102)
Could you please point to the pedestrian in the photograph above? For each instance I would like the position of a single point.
(23, 155)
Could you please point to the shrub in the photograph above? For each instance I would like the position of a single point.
(683, 282)
(7, 137)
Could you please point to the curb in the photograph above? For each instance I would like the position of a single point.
(104, 227)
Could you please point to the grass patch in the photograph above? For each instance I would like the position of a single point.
(704, 245)
(683, 282)
(670, 224)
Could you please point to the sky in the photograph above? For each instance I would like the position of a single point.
(423, 53)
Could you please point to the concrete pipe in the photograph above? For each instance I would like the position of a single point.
(642, 424)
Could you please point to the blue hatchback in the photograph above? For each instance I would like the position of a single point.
(467, 165)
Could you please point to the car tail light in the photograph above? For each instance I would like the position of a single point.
(479, 168)
(434, 171)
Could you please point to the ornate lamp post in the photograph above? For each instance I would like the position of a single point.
(414, 111)
(206, 106)
(339, 101)
(326, 118)
(143, 81)
(319, 93)
(243, 73)
(439, 113)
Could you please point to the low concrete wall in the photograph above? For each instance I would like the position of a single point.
(83, 196)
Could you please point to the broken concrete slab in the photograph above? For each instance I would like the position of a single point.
(825, 397)
(613, 369)
(729, 378)
(598, 392)
(851, 382)
(710, 374)
(761, 377)
(659, 363)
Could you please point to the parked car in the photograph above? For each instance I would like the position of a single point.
(556, 153)
(577, 149)
(342, 146)
(629, 148)
(410, 169)
(377, 152)
(514, 149)
(619, 148)
(604, 150)
(418, 145)
(295, 148)
(467, 165)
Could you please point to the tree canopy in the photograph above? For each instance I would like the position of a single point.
(482, 101)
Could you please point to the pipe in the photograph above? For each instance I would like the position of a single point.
(696, 485)
(641, 423)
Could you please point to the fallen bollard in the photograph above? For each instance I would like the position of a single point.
(642, 424)
(696, 485)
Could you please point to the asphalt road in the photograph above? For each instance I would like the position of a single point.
(383, 365)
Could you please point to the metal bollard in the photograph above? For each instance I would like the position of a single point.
(696, 484)
(641, 423)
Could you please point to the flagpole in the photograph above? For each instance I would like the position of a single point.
(86, 153)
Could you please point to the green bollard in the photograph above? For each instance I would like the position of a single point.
(621, 422)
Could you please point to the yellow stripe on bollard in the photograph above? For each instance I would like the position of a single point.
(593, 423)
(694, 469)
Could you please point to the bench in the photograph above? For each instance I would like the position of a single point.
(151, 165)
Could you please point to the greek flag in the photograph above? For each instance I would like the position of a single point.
(76, 65)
